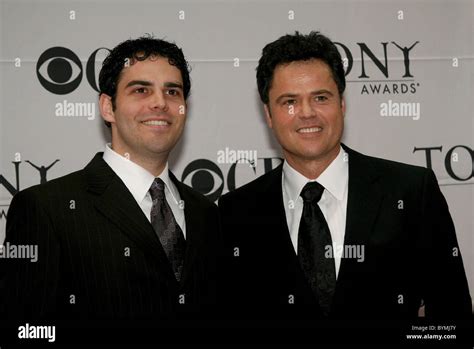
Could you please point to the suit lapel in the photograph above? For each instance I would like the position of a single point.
(363, 204)
(277, 239)
(274, 210)
(116, 203)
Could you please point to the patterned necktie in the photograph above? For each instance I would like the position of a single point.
(168, 231)
(313, 239)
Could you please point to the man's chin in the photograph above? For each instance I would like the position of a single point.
(159, 150)
(305, 155)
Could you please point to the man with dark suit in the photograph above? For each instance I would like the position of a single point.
(331, 234)
(121, 239)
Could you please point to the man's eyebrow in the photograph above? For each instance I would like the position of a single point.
(322, 91)
(314, 93)
(139, 82)
(173, 84)
(286, 95)
(149, 83)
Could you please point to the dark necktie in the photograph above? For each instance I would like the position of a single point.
(313, 237)
(168, 231)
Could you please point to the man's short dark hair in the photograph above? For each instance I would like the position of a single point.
(139, 50)
(298, 47)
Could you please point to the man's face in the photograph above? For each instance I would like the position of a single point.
(150, 109)
(305, 111)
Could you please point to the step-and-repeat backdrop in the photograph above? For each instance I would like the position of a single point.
(409, 94)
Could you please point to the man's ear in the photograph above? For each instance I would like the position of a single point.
(106, 108)
(268, 115)
(343, 106)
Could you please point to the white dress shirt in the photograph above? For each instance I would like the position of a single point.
(333, 203)
(138, 181)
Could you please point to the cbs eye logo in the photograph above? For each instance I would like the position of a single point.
(204, 177)
(207, 178)
(60, 71)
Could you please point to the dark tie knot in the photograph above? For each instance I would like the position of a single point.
(157, 189)
(312, 192)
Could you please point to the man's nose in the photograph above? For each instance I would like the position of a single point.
(158, 101)
(307, 110)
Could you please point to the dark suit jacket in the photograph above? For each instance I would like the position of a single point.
(411, 252)
(99, 257)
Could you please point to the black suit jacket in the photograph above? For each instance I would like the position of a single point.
(99, 257)
(396, 211)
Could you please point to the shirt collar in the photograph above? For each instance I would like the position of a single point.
(334, 178)
(136, 178)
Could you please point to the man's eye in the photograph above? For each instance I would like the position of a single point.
(140, 90)
(173, 92)
(289, 102)
(321, 98)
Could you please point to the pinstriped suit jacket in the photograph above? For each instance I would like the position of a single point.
(98, 255)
